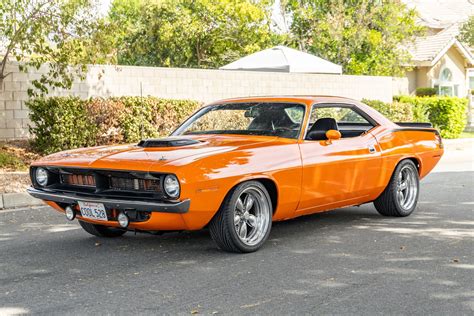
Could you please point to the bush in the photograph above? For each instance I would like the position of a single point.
(396, 111)
(448, 114)
(61, 123)
(426, 92)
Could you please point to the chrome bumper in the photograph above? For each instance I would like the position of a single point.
(176, 207)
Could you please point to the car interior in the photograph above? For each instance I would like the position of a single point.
(275, 119)
(340, 118)
(343, 119)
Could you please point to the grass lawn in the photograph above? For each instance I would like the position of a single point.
(467, 135)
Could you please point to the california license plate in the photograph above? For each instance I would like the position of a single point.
(91, 210)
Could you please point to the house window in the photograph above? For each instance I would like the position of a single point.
(446, 75)
(445, 84)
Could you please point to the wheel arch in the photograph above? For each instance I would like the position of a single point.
(269, 184)
(414, 159)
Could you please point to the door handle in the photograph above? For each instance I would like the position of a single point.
(372, 149)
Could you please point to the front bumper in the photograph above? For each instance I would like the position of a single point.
(171, 207)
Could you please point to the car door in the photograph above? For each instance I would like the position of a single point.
(343, 171)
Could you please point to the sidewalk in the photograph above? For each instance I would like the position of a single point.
(458, 155)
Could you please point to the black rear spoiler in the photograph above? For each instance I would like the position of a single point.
(419, 125)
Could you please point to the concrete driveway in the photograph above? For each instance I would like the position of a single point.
(348, 261)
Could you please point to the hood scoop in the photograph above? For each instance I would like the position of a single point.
(167, 142)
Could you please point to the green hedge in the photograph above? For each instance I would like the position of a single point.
(399, 111)
(448, 114)
(426, 92)
(61, 123)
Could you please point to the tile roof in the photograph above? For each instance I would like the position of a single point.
(428, 47)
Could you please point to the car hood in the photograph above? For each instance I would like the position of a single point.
(134, 157)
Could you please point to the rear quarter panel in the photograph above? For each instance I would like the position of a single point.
(397, 144)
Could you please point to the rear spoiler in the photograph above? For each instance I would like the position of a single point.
(419, 125)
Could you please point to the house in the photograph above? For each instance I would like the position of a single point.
(439, 59)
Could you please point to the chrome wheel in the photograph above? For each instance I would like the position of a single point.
(407, 187)
(252, 212)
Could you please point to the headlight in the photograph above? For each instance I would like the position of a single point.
(171, 186)
(41, 176)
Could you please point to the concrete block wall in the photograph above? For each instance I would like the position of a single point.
(177, 83)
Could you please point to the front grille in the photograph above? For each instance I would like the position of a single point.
(78, 180)
(106, 183)
(129, 184)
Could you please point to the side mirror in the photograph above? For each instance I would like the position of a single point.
(332, 134)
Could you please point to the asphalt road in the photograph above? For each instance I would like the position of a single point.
(348, 261)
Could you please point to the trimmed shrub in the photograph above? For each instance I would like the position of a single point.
(426, 92)
(61, 123)
(396, 111)
(448, 114)
(153, 117)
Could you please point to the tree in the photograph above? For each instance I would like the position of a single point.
(190, 33)
(366, 37)
(467, 32)
(62, 34)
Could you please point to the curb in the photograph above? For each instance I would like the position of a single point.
(14, 200)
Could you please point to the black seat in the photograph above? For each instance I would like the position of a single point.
(320, 127)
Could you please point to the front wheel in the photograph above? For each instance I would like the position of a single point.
(244, 220)
(401, 194)
(102, 231)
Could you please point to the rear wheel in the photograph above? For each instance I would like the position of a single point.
(102, 231)
(401, 194)
(245, 219)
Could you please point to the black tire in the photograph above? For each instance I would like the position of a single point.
(102, 231)
(223, 228)
(388, 203)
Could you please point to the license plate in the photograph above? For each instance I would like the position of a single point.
(91, 210)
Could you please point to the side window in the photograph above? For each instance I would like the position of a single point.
(349, 122)
(340, 114)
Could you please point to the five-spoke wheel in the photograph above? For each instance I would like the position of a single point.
(401, 194)
(244, 221)
(251, 215)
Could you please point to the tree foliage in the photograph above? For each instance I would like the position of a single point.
(63, 34)
(467, 32)
(190, 33)
(364, 36)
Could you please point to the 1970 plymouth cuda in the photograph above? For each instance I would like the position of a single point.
(237, 165)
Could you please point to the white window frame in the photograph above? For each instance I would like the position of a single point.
(452, 85)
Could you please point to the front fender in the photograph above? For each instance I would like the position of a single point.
(207, 181)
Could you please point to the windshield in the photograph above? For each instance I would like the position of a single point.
(272, 119)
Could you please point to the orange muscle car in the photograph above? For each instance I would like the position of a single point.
(237, 165)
